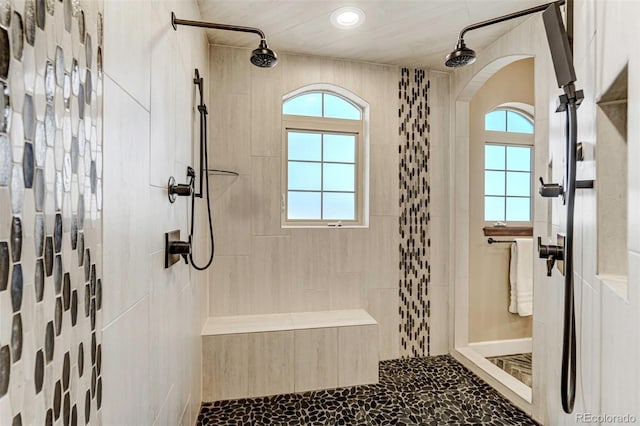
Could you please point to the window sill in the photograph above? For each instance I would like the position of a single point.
(322, 226)
(508, 231)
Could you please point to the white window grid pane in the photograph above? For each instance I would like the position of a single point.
(292, 106)
(497, 217)
(515, 120)
(330, 209)
(321, 162)
(496, 121)
(308, 172)
(514, 163)
(502, 119)
(312, 212)
(506, 169)
(322, 105)
(353, 110)
(304, 147)
(494, 155)
(510, 214)
(494, 182)
(513, 187)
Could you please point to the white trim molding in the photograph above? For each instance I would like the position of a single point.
(491, 348)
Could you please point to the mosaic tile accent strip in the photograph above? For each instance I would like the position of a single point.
(414, 213)
(415, 391)
(519, 366)
(50, 212)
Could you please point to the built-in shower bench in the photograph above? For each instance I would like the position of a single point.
(257, 355)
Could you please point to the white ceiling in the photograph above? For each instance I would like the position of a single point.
(417, 33)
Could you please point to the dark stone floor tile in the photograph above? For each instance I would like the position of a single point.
(418, 391)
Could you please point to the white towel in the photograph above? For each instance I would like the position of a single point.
(521, 277)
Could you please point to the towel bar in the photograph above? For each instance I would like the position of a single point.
(492, 241)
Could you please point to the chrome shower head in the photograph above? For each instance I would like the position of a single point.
(461, 56)
(264, 57)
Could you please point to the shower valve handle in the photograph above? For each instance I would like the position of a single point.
(178, 189)
(551, 253)
(183, 248)
(550, 190)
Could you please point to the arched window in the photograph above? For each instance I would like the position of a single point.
(508, 165)
(507, 120)
(324, 161)
(321, 104)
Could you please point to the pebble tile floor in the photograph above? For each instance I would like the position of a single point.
(418, 391)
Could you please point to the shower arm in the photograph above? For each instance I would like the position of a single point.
(211, 25)
(508, 17)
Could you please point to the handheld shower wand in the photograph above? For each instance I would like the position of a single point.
(204, 166)
(173, 245)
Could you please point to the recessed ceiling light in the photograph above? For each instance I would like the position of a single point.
(347, 17)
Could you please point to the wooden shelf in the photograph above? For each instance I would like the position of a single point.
(508, 231)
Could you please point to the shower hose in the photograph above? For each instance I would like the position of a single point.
(568, 379)
(202, 108)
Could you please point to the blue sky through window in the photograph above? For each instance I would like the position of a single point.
(507, 187)
(502, 120)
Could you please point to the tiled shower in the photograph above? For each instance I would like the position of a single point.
(97, 111)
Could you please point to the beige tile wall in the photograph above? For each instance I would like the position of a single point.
(152, 316)
(292, 353)
(261, 268)
(439, 286)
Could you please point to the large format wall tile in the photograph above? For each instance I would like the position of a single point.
(265, 186)
(266, 130)
(357, 355)
(152, 314)
(315, 359)
(128, 47)
(51, 288)
(241, 365)
(384, 188)
(128, 168)
(383, 305)
(234, 285)
(128, 346)
(232, 220)
(310, 269)
(163, 86)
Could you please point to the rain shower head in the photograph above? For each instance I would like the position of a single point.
(461, 56)
(262, 57)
